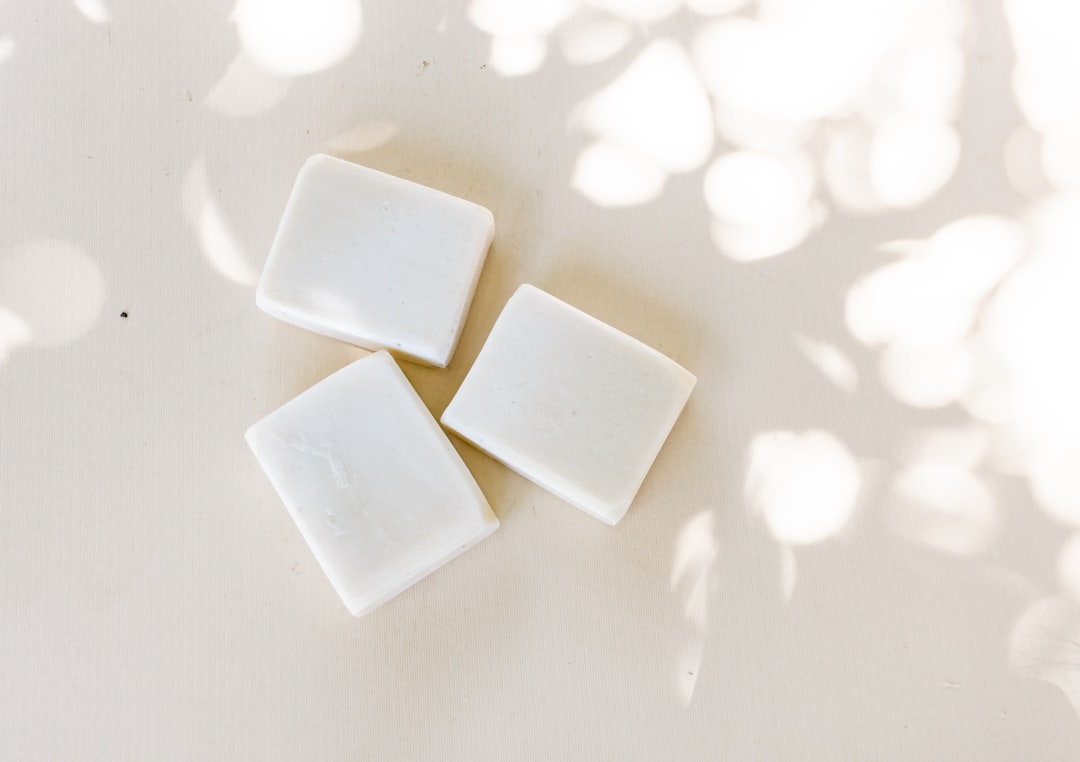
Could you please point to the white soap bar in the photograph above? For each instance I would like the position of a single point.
(376, 261)
(374, 485)
(569, 402)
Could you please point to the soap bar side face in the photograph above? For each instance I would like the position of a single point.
(375, 260)
(373, 484)
(569, 402)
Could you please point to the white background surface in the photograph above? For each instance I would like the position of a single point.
(859, 542)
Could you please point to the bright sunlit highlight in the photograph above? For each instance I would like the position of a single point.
(761, 204)
(1045, 645)
(292, 37)
(1061, 158)
(516, 56)
(944, 508)
(1068, 567)
(830, 362)
(803, 485)
(656, 109)
(246, 89)
(695, 551)
(911, 160)
(14, 332)
(610, 176)
(926, 376)
(715, 7)
(591, 40)
(365, 137)
(638, 11)
(216, 239)
(93, 10)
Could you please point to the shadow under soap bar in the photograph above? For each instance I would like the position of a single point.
(372, 482)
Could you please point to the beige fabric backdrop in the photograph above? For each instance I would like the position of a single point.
(859, 540)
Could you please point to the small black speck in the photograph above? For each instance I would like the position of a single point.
(483, 66)
(123, 314)
(690, 673)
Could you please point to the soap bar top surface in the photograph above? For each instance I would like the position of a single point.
(372, 482)
(569, 402)
(375, 260)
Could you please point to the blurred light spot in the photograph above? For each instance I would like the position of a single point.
(1068, 567)
(780, 74)
(1046, 87)
(1026, 370)
(246, 89)
(1023, 162)
(511, 18)
(1045, 645)
(788, 573)
(517, 56)
(588, 40)
(926, 377)
(1046, 96)
(656, 109)
(610, 176)
(830, 361)
(14, 332)
(1054, 225)
(944, 508)
(54, 289)
(93, 10)
(519, 31)
(925, 81)
(715, 7)
(804, 485)
(1061, 158)
(962, 447)
(292, 37)
(365, 137)
(901, 247)
(748, 188)
(846, 168)
(931, 298)
(695, 551)
(1055, 481)
(972, 254)
(638, 11)
(216, 239)
(911, 160)
(7, 47)
(762, 204)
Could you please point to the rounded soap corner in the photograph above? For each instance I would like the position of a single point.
(689, 380)
(489, 219)
(251, 436)
(317, 158)
(358, 608)
(263, 300)
(525, 289)
(613, 518)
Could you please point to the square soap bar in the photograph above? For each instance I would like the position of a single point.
(376, 261)
(569, 402)
(372, 482)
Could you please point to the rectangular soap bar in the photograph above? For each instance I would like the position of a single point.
(569, 402)
(375, 260)
(372, 482)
